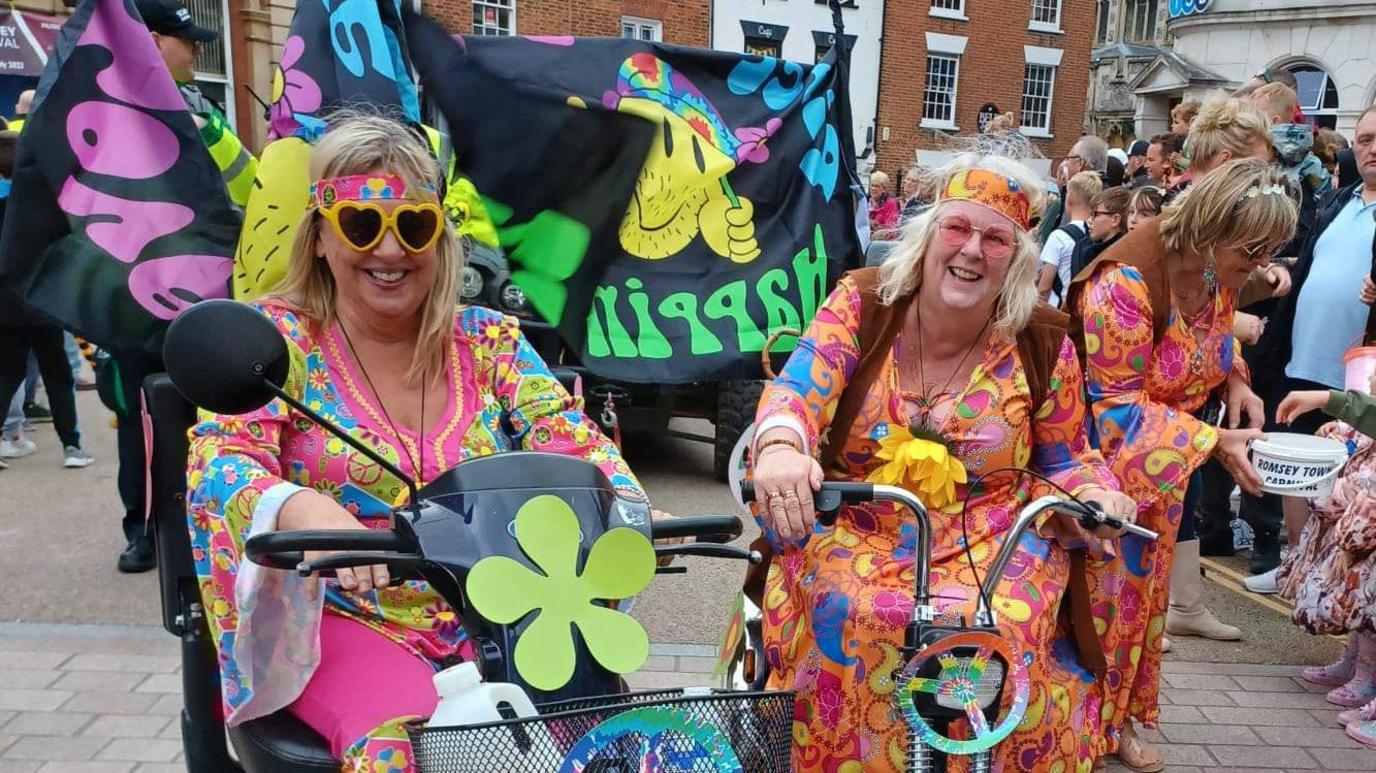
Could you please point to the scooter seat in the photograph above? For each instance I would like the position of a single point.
(281, 742)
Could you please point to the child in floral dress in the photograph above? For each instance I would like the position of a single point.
(1331, 573)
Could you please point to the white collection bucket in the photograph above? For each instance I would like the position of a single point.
(1296, 465)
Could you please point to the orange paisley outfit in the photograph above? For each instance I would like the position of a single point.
(836, 607)
(1141, 395)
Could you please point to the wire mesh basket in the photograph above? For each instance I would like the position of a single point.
(668, 731)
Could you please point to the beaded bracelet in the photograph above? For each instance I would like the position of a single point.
(778, 441)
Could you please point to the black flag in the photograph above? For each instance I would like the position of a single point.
(118, 217)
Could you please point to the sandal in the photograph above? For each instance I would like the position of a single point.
(1138, 755)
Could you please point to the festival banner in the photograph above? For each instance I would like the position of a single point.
(25, 40)
(118, 218)
(339, 54)
(742, 217)
(555, 173)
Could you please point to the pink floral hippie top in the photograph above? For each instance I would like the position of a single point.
(243, 468)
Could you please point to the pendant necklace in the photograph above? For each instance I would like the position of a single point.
(926, 401)
(417, 466)
(1192, 323)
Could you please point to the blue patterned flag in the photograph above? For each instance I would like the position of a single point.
(338, 54)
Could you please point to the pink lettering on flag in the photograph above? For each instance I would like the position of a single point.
(166, 287)
(137, 75)
(130, 226)
(120, 141)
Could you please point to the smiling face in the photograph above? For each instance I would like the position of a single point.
(387, 284)
(682, 174)
(960, 277)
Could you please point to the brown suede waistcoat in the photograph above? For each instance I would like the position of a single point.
(1039, 347)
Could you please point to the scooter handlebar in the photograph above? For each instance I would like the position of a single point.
(828, 499)
(286, 549)
(704, 528)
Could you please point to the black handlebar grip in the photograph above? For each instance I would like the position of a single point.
(705, 528)
(1093, 516)
(851, 492)
(396, 563)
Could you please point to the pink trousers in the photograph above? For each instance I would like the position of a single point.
(365, 687)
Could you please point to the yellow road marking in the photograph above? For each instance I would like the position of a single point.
(1231, 580)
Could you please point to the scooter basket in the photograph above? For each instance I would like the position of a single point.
(676, 732)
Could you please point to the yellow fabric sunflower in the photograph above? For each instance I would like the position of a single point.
(924, 466)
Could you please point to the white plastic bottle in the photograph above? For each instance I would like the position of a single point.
(465, 699)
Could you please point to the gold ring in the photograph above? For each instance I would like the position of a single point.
(790, 495)
(775, 494)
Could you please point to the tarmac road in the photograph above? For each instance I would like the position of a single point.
(59, 537)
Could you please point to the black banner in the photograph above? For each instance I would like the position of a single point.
(742, 217)
(118, 218)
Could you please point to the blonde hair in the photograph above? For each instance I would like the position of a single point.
(879, 178)
(1242, 202)
(1275, 100)
(357, 144)
(1226, 123)
(1086, 185)
(901, 274)
(1185, 111)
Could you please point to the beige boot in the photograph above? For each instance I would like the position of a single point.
(1187, 615)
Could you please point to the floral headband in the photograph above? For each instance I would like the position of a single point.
(990, 189)
(362, 187)
(1265, 190)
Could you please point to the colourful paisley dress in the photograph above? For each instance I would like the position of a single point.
(836, 606)
(1141, 395)
(503, 398)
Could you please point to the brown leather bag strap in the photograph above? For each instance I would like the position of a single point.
(1039, 349)
(879, 326)
(1080, 608)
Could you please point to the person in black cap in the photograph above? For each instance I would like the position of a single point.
(1137, 164)
(178, 37)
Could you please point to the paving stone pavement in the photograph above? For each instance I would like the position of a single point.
(104, 699)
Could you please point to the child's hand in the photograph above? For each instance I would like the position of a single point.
(1297, 404)
(1248, 327)
(1368, 294)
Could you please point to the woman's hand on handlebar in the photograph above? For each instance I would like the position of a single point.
(1231, 451)
(784, 481)
(1115, 505)
(306, 510)
(660, 515)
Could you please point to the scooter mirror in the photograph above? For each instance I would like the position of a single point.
(225, 356)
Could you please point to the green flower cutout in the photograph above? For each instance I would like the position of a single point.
(620, 565)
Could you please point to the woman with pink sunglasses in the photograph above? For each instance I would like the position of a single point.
(925, 372)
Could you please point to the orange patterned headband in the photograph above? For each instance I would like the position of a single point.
(992, 190)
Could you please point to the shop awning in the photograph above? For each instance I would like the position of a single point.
(25, 40)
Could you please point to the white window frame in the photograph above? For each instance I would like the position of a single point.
(500, 5)
(957, 13)
(1043, 26)
(1053, 67)
(640, 24)
(948, 124)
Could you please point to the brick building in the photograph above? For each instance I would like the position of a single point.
(950, 65)
(675, 21)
